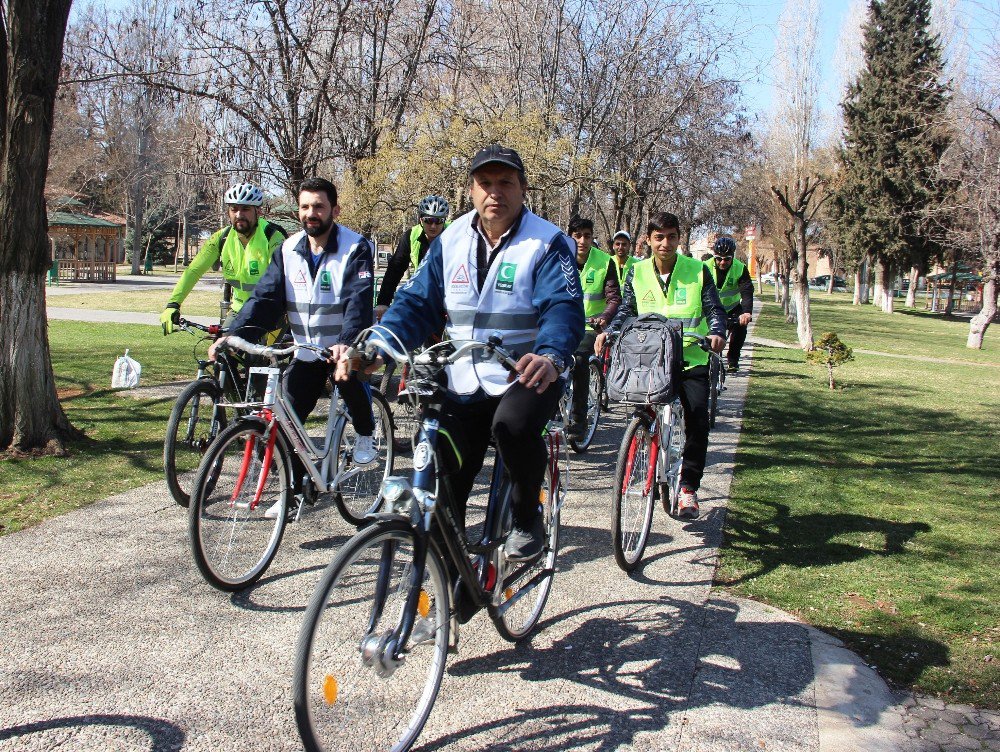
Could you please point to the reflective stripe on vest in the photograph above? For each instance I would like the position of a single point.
(315, 310)
(592, 277)
(243, 266)
(729, 292)
(504, 304)
(682, 301)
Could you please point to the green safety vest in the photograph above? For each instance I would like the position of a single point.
(592, 278)
(623, 270)
(729, 291)
(682, 301)
(243, 266)
(415, 232)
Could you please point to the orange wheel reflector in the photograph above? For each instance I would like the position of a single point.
(423, 604)
(543, 495)
(330, 689)
(508, 593)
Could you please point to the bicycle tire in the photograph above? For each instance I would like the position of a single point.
(232, 540)
(674, 444)
(713, 390)
(631, 522)
(340, 700)
(593, 409)
(188, 428)
(536, 575)
(360, 493)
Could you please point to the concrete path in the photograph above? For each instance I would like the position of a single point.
(112, 641)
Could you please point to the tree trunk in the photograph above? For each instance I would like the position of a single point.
(829, 369)
(866, 282)
(802, 313)
(878, 297)
(857, 286)
(911, 294)
(949, 306)
(981, 321)
(786, 298)
(30, 415)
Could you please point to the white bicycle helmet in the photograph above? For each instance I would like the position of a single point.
(245, 194)
(433, 206)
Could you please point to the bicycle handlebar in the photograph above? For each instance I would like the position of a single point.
(270, 351)
(366, 348)
(212, 329)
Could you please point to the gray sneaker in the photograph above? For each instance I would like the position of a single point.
(425, 630)
(526, 543)
(364, 450)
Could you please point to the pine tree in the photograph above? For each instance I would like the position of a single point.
(894, 136)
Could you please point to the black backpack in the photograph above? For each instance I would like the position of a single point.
(646, 360)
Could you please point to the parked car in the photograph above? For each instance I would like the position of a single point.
(768, 279)
(823, 281)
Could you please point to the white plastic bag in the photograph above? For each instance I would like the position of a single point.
(126, 373)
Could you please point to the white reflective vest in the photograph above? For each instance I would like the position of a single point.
(504, 305)
(315, 309)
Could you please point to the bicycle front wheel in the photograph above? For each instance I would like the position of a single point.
(360, 485)
(239, 505)
(632, 500)
(195, 420)
(593, 409)
(525, 587)
(351, 689)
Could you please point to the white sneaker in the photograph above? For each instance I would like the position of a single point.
(364, 450)
(273, 511)
(275, 508)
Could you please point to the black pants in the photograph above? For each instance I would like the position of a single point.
(304, 383)
(581, 376)
(694, 398)
(515, 420)
(737, 336)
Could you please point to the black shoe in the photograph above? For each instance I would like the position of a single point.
(733, 368)
(577, 428)
(526, 542)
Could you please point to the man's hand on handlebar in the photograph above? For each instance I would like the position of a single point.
(744, 319)
(214, 348)
(716, 343)
(349, 360)
(535, 372)
(599, 343)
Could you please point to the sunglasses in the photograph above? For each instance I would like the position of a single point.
(432, 221)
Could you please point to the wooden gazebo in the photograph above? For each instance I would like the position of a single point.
(85, 248)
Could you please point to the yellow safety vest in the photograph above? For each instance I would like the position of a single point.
(729, 291)
(682, 301)
(592, 278)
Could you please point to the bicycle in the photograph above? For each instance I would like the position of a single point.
(382, 608)
(242, 497)
(197, 416)
(716, 385)
(649, 465)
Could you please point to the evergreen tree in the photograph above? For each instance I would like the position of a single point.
(894, 135)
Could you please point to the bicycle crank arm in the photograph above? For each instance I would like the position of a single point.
(525, 590)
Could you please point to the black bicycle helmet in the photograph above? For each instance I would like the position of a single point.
(724, 247)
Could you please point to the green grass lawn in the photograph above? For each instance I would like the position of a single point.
(872, 511)
(197, 303)
(124, 444)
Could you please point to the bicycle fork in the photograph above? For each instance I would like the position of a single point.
(249, 451)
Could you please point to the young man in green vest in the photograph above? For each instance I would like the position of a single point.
(601, 297)
(244, 250)
(732, 278)
(679, 287)
(621, 244)
(432, 213)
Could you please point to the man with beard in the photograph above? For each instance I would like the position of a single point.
(322, 279)
(244, 254)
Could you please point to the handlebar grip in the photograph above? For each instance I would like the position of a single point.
(238, 343)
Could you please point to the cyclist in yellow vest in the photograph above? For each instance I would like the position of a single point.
(621, 244)
(601, 297)
(244, 254)
(732, 278)
(679, 287)
(432, 213)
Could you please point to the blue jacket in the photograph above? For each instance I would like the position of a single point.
(264, 310)
(418, 309)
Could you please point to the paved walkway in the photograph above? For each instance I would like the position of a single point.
(112, 641)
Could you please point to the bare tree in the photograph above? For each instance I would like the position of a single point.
(31, 43)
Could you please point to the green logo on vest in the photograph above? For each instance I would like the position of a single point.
(590, 277)
(229, 267)
(324, 281)
(254, 268)
(680, 295)
(505, 276)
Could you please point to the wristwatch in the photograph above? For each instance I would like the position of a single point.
(559, 363)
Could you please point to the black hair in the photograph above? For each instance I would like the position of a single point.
(579, 224)
(662, 221)
(319, 185)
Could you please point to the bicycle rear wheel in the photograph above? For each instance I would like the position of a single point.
(348, 692)
(195, 420)
(632, 497)
(713, 390)
(232, 540)
(360, 485)
(526, 585)
(593, 409)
